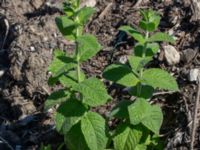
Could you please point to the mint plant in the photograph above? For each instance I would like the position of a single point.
(140, 121)
(82, 128)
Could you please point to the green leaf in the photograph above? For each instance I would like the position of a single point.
(142, 112)
(53, 80)
(151, 49)
(68, 114)
(94, 131)
(93, 91)
(138, 111)
(147, 26)
(134, 33)
(159, 78)
(69, 11)
(150, 20)
(56, 98)
(121, 109)
(64, 124)
(75, 139)
(157, 143)
(56, 64)
(61, 63)
(161, 37)
(70, 79)
(75, 4)
(43, 147)
(84, 14)
(154, 119)
(137, 63)
(121, 74)
(140, 147)
(146, 91)
(88, 47)
(66, 26)
(127, 138)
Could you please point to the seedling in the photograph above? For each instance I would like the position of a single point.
(82, 128)
(140, 121)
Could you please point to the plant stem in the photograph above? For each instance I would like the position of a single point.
(145, 45)
(78, 71)
(78, 57)
(139, 86)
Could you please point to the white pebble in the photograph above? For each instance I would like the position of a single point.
(123, 59)
(32, 49)
(193, 74)
(2, 73)
(88, 3)
(172, 56)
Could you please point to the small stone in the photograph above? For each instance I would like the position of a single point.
(45, 39)
(193, 74)
(172, 56)
(123, 59)
(55, 35)
(32, 49)
(88, 3)
(171, 32)
(2, 73)
(188, 55)
(37, 3)
(18, 30)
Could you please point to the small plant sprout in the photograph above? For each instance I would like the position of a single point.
(140, 121)
(82, 128)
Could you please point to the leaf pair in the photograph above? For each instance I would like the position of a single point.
(150, 20)
(62, 67)
(93, 91)
(73, 120)
(157, 37)
(74, 20)
(157, 78)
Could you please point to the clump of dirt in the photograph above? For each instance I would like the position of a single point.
(28, 36)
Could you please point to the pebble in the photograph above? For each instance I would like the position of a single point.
(171, 32)
(1, 73)
(45, 39)
(89, 3)
(193, 74)
(188, 55)
(32, 49)
(172, 56)
(37, 3)
(123, 59)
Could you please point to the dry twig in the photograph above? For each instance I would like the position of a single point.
(6, 34)
(105, 11)
(195, 115)
(5, 142)
(195, 6)
(138, 3)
